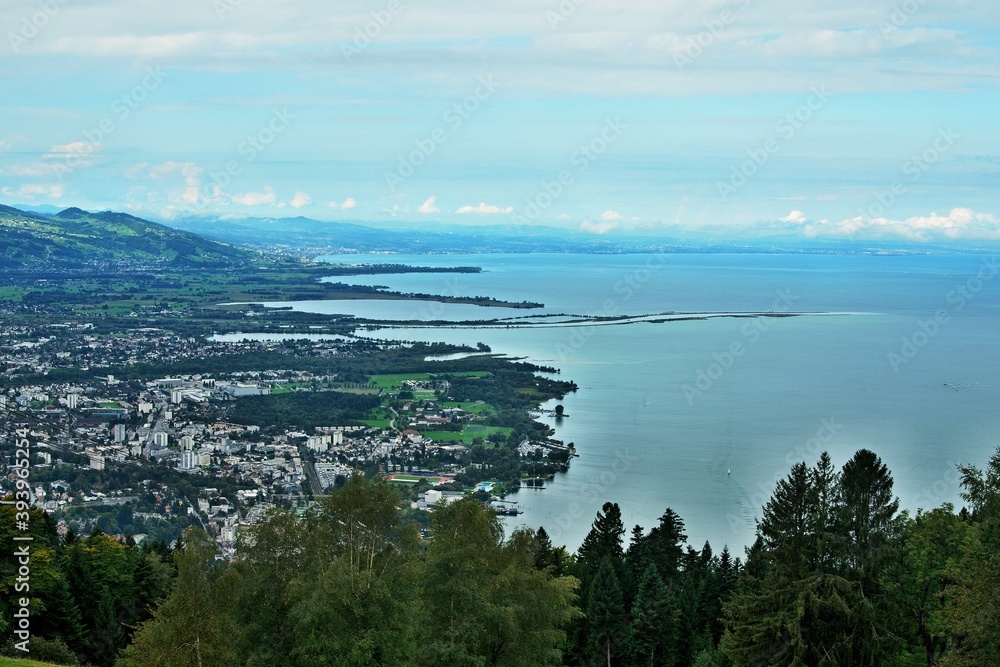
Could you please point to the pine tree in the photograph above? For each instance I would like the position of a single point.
(604, 539)
(867, 514)
(605, 612)
(793, 605)
(653, 632)
(785, 530)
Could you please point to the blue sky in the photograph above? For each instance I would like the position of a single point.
(742, 118)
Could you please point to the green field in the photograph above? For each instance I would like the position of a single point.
(17, 662)
(468, 406)
(395, 380)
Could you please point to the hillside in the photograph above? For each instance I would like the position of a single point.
(76, 240)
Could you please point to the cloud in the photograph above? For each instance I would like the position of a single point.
(611, 215)
(795, 216)
(428, 207)
(256, 198)
(300, 200)
(959, 224)
(602, 227)
(348, 204)
(136, 170)
(80, 148)
(192, 182)
(33, 190)
(190, 171)
(485, 209)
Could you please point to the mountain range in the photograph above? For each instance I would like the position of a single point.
(71, 239)
(76, 240)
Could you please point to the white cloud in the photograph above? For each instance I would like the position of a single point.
(80, 148)
(256, 198)
(192, 182)
(959, 224)
(190, 171)
(485, 209)
(619, 47)
(429, 207)
(136, 170)
(602, 227)
(33, 190)
(611, 215)
(300, 200)
(348, 204)
(797, 217)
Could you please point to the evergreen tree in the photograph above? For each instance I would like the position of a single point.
(786, 527)
(605, 613)
(664, 546)
(867, 514)
(604, 539)
(653, 633)
(793, 606)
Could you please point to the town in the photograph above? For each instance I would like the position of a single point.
(265, 424)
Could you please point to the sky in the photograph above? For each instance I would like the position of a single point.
(858, 119)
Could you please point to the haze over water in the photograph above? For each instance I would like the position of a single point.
(649, 435)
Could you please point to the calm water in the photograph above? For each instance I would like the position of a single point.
(668, 415)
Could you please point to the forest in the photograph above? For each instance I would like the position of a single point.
(837, 575)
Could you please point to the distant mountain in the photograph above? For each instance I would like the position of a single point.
(75, 240)
(306, 235)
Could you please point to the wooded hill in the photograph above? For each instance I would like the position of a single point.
(75, 240)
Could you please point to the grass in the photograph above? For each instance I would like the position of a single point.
(468, 406)
(395, 380)
(17, 662)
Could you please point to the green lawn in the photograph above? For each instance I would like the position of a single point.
(395, 380)
(17, 662)
(474, 408)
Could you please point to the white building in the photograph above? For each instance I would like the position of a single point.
(118, 433)
(241, 389)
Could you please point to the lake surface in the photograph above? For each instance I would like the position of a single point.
(704, 416)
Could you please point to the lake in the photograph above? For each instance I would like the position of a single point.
(705, 415)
